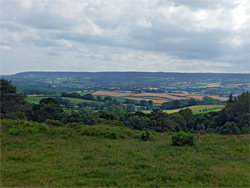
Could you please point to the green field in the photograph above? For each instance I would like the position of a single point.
(114, 156)
(87, 92)
(206, 108)
(195, 109)
(200, 109)
(36, 99)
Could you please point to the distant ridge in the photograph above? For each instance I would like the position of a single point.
(131, 76)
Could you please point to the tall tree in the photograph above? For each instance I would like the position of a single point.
(159, 121)
(46, 109)
(188, 117)
(12, 103)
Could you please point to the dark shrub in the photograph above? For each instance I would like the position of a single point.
(202, 132)
(73, 125)
(112, 135)
(145, 136)
(230, 128)
(182, 139)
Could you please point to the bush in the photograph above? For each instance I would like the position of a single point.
(182, 139)
(229, 128)
(73, 125)
(15, 130)
(245, 129)
(91, 130)
(27, 127)
(145, 136)
(54, 123)
(112, 135)
(65, 132)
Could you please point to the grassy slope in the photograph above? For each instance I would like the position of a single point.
(42, 159)
(206, 108)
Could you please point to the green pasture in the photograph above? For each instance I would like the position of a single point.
(87, 92)
(206, 108)
(196, 109)
(35, 100)
(114, 156)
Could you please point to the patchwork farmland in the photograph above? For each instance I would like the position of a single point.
(157, 98)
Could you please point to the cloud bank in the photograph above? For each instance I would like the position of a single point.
(116, 35)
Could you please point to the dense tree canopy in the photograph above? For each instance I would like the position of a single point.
(12, 103)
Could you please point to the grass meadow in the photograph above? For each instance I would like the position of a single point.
(40, 155)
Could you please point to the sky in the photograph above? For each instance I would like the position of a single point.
(130, 35)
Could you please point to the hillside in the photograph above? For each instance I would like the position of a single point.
(40, 155)
(219, 84)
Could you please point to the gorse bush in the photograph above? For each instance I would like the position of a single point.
(182, 139)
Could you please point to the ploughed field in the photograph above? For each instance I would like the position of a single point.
(40, 155)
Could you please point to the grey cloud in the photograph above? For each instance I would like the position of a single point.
(205, 4)
(167, 28)
(12, 26)
(46, 21)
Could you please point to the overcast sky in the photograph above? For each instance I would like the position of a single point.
(125, 35)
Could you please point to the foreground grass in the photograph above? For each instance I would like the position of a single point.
(88, 156)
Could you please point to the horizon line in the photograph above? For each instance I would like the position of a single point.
(121, 72)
